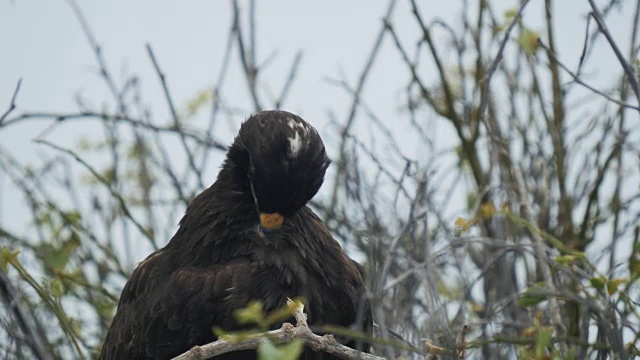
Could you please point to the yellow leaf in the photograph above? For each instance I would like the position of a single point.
(462, 225)
(486, 210)
(612, 285)
(530, 331)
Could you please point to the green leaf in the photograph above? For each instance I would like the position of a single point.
(71, 244)
(58, 257)
(634, 266)
(253, 313)
(200, 99)
(531, 297)
(235, 336)
(471, 200)
(510, 13)
(543, 341)
(291, 351)
(219, 332)
(57, 288)
(73, 217)
(283, 314)
(634, 258)
(54, 258)
(528, 41)
(566, 260)
(104, 308)
(7, 256)
(598, 282)
(267, 351)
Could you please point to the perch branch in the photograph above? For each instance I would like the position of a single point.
(326, 343)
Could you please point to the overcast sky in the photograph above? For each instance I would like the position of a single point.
(42, 42)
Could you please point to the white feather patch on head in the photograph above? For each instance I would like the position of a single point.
(299, 132)
(295, 143)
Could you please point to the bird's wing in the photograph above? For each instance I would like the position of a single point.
(163, 311)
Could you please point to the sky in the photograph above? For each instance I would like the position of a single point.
(51, 54)
(43, 43)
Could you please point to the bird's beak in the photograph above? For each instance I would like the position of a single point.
(271, 221)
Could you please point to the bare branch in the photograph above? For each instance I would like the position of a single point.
(250, 69)
(287, 333)
(97, 50)
(579, 81)
(597, 15)
(12, 105)
(114, 193)
(462, 344)
(494, 64)
(174, 116)
(540, 250)
(377, 45)
(287, 85)
(34, 338)
(189, 133)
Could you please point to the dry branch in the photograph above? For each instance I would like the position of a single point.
(12, 105)
(287, 333)
(597, 15)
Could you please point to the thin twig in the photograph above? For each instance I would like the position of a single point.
(377, 45)
(97, 50)
(462, 344)
(216, 96)
(114, 193)
(250, 70)
(597, 15)
(12, 105)
(174, 116)
(579, 81)
(540, 251)
(289, 81)
(60, 117)
(35, 339)
(494, 64)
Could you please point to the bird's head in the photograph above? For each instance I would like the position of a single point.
(284, 161)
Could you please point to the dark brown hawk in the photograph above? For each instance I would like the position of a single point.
(250, 236)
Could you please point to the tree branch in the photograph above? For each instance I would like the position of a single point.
(597, 15)
(174, 116)
(494, 64)
(105, 182)
(12, 105)
(581, 82)
(35, 339)
(326, 343)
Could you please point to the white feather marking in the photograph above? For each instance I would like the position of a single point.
(295, 143)
(299, 131)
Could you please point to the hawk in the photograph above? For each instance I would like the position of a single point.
(249, 236)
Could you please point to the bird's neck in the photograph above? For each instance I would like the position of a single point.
(228, 202)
